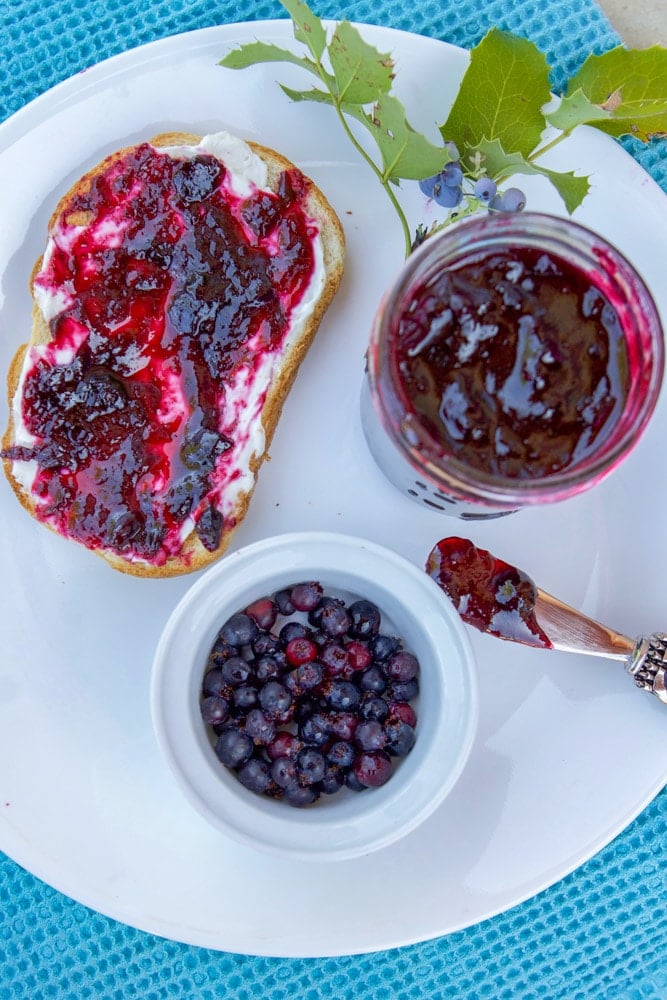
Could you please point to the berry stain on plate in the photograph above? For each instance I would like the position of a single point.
(304, 695)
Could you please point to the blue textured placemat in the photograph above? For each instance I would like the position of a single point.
(600, 933)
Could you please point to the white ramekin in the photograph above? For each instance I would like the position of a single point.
(346, 824)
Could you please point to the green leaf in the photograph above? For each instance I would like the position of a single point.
(307, 26)
(262, 52)
(405, 153)
(497, 115)
(361, 72)
(323, 97)
(315, 95)
(500, 164)
(572, 187)
(629, 84)
(576, 110)
(501, 95)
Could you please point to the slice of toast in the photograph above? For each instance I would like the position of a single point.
(164, 343)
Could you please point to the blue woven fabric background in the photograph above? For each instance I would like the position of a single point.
(599, 934)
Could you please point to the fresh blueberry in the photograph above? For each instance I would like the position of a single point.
(283, 771)
(315, 616)
(214, 710)
(364, 620)
(259, 727)
(267, 667)
(284, 744)
(353, 783)
(315, 729)
(275, 699)
(266, 644)
(290, 631)
(239, 630)
(310, 766)
(221, 651)
(321, 639)
(359, 655)
(300, 795)
(283, 601)
(293, 685)
(255, 775)
(332, 780)
(245, 696)
(214, 683)
(300, 650)
(400, 738)
(403, 711)
(373, 707)
(428, 184)
(382, 646)
(403, 690)
(341, 753)
(373, 679)
(511, 200)
(448, 196)
(370, 735)
(335, 620)
(341, 695)
(310, 675)
(306, 596)
(233, 747)
(235, 671)
(451, 175)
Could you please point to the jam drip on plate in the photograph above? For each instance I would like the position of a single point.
(489, 594)
(514, 362)
(174, 288)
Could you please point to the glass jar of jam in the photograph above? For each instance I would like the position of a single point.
(516, 360)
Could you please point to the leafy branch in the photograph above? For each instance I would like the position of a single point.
(356, 81)
(499, 126)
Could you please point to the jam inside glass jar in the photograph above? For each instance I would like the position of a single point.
(516, 360)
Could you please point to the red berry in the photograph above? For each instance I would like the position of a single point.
(264, 611)
(402, 666)
(285, 744)
(372, 768)
(358, 655)
(300, 650)
(306, 596)
(343, 724)
(335, 660)
(403, 711)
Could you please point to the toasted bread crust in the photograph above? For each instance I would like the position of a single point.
(193, 555)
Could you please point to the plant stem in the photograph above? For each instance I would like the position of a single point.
(369, 160)
(547, 146)
(378, 173)
(473, 205)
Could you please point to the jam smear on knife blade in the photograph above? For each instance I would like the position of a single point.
(489, 594)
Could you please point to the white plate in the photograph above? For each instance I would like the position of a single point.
(568, 752)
